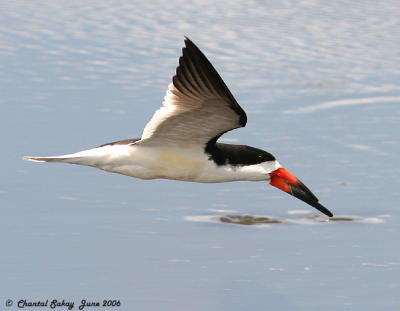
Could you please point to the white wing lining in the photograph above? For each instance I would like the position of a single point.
(197, 107)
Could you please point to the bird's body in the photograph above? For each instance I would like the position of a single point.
(180, 141)
(143, 160)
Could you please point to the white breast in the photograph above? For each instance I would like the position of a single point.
(224, 173)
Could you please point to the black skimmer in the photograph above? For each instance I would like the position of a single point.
(180, 141)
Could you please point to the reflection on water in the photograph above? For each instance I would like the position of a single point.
(300, 218)
(248, 220)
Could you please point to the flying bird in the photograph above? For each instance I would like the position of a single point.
(181, 140)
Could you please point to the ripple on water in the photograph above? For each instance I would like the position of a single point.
(294, 218)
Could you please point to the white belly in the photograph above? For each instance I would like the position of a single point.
(168, 163)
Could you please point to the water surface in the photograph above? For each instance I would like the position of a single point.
(320, 84)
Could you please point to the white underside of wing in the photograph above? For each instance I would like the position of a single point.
(188, 120)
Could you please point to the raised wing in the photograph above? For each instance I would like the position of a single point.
(198, 105)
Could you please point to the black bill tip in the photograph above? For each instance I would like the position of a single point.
(303, 193)
(322, 209)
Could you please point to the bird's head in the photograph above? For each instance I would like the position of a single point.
(286, 181)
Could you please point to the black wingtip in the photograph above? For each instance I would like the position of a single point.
(209, 77)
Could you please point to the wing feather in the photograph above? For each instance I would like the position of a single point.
(198, 105)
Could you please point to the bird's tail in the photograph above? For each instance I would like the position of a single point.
(98, 157)
(68, 158)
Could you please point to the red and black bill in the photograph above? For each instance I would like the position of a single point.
(286, 181)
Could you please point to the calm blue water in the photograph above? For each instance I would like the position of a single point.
(321, 85)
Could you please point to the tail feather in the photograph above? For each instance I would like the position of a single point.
(68, 158)
(97, 157)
